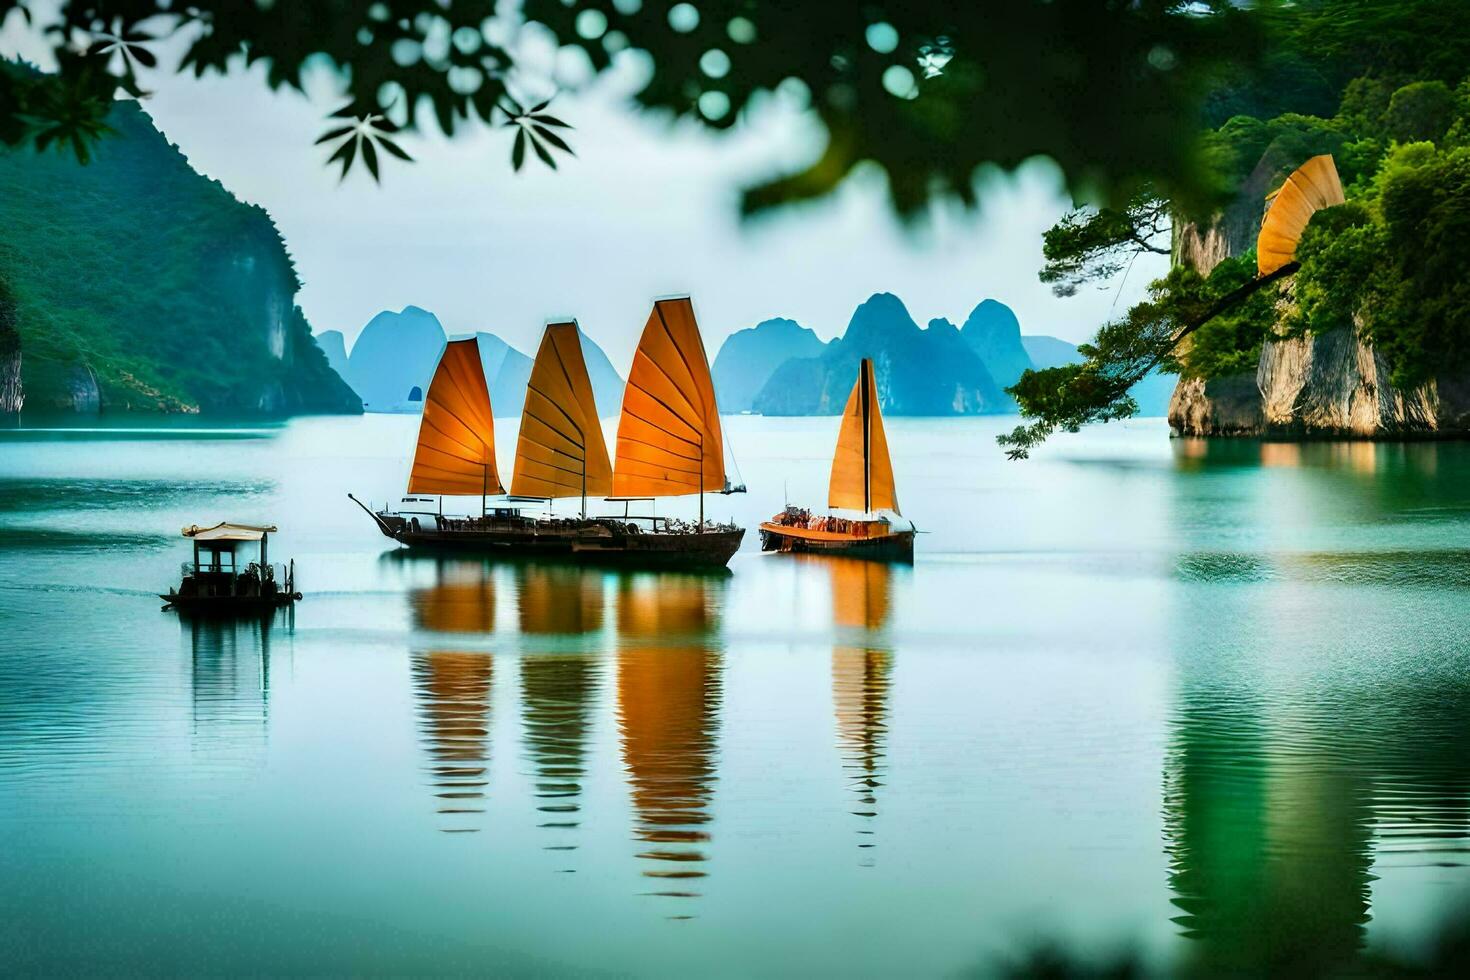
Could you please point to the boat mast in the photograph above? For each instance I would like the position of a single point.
(865, 374)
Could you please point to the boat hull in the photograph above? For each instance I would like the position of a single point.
(893, 546)
(598, 543)
(224, 605)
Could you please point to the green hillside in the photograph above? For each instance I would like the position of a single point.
(137, 283)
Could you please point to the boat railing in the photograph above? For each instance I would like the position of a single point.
(269, 572)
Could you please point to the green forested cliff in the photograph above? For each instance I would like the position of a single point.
(136, 283)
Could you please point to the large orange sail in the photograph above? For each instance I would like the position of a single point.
(862, 474)
(669, 439)
(560, 451)
(456, 451)
(1310, 188)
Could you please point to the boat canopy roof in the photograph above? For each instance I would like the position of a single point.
(225, 531)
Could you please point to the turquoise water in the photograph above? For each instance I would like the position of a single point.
(1136, 693)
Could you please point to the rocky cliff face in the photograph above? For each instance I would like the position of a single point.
(12, 397)
(1331, 385)
(137, 284)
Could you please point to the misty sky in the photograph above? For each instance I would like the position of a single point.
(647, 208)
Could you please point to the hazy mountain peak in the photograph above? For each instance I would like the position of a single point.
(993, 332)
(749, 357)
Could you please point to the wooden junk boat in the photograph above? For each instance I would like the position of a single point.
(862, 479)
(217, 582)
(669, 444)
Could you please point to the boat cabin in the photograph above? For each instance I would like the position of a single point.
(222, 570)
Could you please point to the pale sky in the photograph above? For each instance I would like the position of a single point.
(646, 209)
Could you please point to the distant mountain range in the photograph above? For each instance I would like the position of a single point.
(779, 367)
(930, 371)
(393, 360)
(749, 357)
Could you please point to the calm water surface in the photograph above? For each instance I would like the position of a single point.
(1164, 694)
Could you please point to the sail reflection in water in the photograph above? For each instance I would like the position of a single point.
(669, 694)
(461, 600)
(558, 691)
(453, 690)
(861, 681)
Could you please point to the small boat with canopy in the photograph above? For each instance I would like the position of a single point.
(669, 443)
(216, 581)
(862, 481)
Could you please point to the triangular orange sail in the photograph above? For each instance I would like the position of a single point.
(669, 439)
(1310, 188)
(862, 474)
(456, 452)
(560, 451)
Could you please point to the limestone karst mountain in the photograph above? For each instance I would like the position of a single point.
(749, 357)
(136, 283)
(919, 371)
(994, 333)
(394, 357)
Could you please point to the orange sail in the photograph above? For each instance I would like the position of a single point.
(862, 474)
(560, 451)
(1310, 188)
(669, 439)
(456, 451)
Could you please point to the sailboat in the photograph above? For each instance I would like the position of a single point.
(862, 480)
(560, 453)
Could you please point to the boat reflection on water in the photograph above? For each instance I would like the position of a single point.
(669, 695)
(453, 692)
(460, 600)
(230, 676)
(559, 599)
(452, 689)
(862, 675)
(559, 690)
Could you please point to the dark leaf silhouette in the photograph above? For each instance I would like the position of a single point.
(518, 150)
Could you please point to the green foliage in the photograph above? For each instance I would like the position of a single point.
(1394, 263)
(1420, 111)
(1230, 342)
(153, 278)
(1422, 323)
(1089, 245)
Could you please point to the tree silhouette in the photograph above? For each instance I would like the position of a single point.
(927, 89)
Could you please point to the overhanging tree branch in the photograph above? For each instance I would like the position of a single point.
(1072, 395)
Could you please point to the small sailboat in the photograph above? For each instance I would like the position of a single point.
(560, 453)
(862, 480)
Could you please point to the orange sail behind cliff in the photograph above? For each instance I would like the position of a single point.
(456, 450)
(862, 473)
(1310, 188)
(560, 451)
(669, 439)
